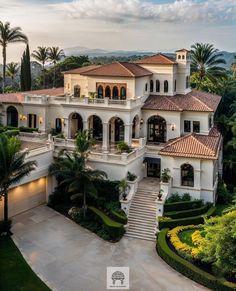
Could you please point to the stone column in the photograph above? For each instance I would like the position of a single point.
(85, 125)
(128, 133)
(105, 136)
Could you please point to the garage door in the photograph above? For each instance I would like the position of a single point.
(25, 197)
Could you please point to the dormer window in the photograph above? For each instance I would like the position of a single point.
(151, 86)
(77, 91)
(166, 86)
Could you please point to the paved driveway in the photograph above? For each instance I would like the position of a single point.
(70, 258)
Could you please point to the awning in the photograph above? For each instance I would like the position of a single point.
(152, 160)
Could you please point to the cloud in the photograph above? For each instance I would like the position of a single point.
(206, 11)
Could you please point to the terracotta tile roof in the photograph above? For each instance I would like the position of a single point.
(82, 69)
(193, 101)
(119, 69)
(159, 59)
(19, 96)
(182, 50)
(194, 146)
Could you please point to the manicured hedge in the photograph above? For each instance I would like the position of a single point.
(171, 223)
(183, 205)
(12, 132)
(27, 129)
(188, 269)
(115, 229)
(119, 217)
(186, 213)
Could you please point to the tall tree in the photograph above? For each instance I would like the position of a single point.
(13, 167)
(41, 55)
(26, 71)
(12, 70)
(233, 66)
(207, 63)
(9, 35)
(54, 55)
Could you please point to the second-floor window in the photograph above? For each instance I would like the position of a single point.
(157, 86)
(187, 126)
(77, 91)
(166, 86)
(146, 87)
(151, 86)
(196, 126)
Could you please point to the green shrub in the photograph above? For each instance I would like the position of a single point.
(186, 197)
(119, 216)
(188, 269)
(12, 132)
(131, 177)
(176, 197)
(183, 205)
(27, 129)
(123, 147)
(115, 229)
(171, 223)
(186, 213)
(11, 128)
(224, 196)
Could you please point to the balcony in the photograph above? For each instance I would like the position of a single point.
(84, 101)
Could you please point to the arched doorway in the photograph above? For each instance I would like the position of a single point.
(116, 130)
(95, 126)
(12, 116)
(115, 93)
(100, 91)
(156, 129)
(76, 124)
(135, 127)
(108, 92)
(123, 93)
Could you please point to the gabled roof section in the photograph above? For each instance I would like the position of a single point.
(119, 69)
(182, 50)
(158, 59)
(193, 101)
(194, 146)
(19, 96)
(82, 69)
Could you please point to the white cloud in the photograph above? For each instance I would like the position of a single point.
(136, 10)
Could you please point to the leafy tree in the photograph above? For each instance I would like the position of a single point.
(219, 245)
(233, 66)
(207, 64)
(83, 143)
(9, 35)
(13, 167)
(12, 70)
(54, 55)
(41, 55)
(26, 71)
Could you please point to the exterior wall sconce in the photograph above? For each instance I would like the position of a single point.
(40, 120)
(63, 121)
(141, 121)
(23, 117)
(172, 126)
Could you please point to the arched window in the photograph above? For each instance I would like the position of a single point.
(100, 91)
(158, 86)
(183, 57)
(108, 92)
(156, 129)
(175, 85)
(166, 86)
(151, 86)
(122, 93)
(179, 57)
(187, 175)
(146, 87)
(12, 116)
(77, 91)
(115, 93)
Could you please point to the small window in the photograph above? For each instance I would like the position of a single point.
(187, 126)
(183, 57)
(166, 86)
(151, 86)
(175, 85)
(157, 86)
(196, 126)
(187, 175)
(179, 57)
(146, 87)
(77, 91)
(58, 125)
(210, 122)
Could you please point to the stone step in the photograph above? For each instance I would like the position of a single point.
(137, 233)
(141, 237)
(141, 231)
(143, 204)
(150, 227)
(141, 219)
(142, 210)
(150, 200)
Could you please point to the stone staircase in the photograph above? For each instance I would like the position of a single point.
(142, 214)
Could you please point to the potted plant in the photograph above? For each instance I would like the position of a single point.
(159, 195)
(165, 175)
(123, 147)
(123, 188)
(131, 177)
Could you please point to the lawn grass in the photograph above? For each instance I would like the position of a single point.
(15, 273)
(186, 236)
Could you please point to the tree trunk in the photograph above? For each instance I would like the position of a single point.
(43, 77)
(5, 207)
(4, 67)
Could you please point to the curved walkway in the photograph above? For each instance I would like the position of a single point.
(70, 258)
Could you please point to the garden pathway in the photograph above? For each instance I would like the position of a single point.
(70, 258)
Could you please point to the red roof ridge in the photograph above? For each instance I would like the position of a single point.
(196, 98)
(194, 135)
(121, 63)
(169, 99)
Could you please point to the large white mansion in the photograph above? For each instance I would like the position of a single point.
(149, 104)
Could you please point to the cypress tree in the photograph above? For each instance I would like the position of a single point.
(22, 69)
(25, 71)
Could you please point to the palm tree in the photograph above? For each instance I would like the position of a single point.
(54, 55)
(9, 35)
(13, 168)
(233, 66)
(123, 188)
(78, 179)
(84, 143)
(41, 55)
(12, 70)
(207, 63)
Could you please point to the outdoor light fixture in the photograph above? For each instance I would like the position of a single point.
(172, 126)
(141, 121)
(63, 121)
(40, 120)
(23, 117)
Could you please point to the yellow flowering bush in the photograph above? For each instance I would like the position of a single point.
(183, 248)
(197, 238)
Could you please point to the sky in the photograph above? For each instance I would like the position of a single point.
(160, 25)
